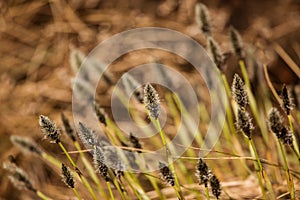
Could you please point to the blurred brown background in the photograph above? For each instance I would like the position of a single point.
(36, 38)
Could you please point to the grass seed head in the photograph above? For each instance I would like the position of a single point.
(135, 142)
(19, 177)
(26, 144)
(203, 19)
(203, 172)
(244, 122)
(99, 164)
(67, 176)
(100, 114)
(286, 136)
(49, 129)
(215, 186)
(287, 101)
(166, 173)
(239, 92)
(215, 52)
(86, 135)
(237, 43)
(151, 100)
(275, 121)
(67, 127)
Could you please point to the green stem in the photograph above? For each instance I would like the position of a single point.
(76, 194)
(259, 166)
(207, 193)
(288, 175)
(42, 195)
(295, 146)
(110, 191)
(170, 160)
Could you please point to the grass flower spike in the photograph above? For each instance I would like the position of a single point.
(239, 92)
(151, 100)
(135, 142)
(215, 52)
(166, 173)
(202, 18)
(100, 166)
(26, 144)
(67, 176)
(49, 129)
(237, 44)
(87, 135)
(203, 172)
(244, 122)
(277, 127)
(215, 186)
(287, 103)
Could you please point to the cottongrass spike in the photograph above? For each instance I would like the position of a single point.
(237, 43)
(244, 122)
(166, 174)
(49, 129)
(67, 127)
(151, 100)
(239, 92)
(26, 144)
(287, 101)
(67, 176)
(215, 186)
(203, 172)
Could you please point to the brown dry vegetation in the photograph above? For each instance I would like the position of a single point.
(36, 38)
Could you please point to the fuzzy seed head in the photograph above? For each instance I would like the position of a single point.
(203, 19)
(203, 172)
(151, 100)
(67, 176)
(287, 101)
(135, 142)
(167, 174)
(67, 127)
(244, 122)
(20, 180)
(275, 121)
(86, 135)
(49, 129)
(100, 166)
(237, 43)
(215, 53)
(239, 92)
(286, 136)
(215, 186)
(100, 114)
(26, 144)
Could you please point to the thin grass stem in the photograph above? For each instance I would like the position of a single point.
(42, 195)
(76, 193)
(288, 175)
